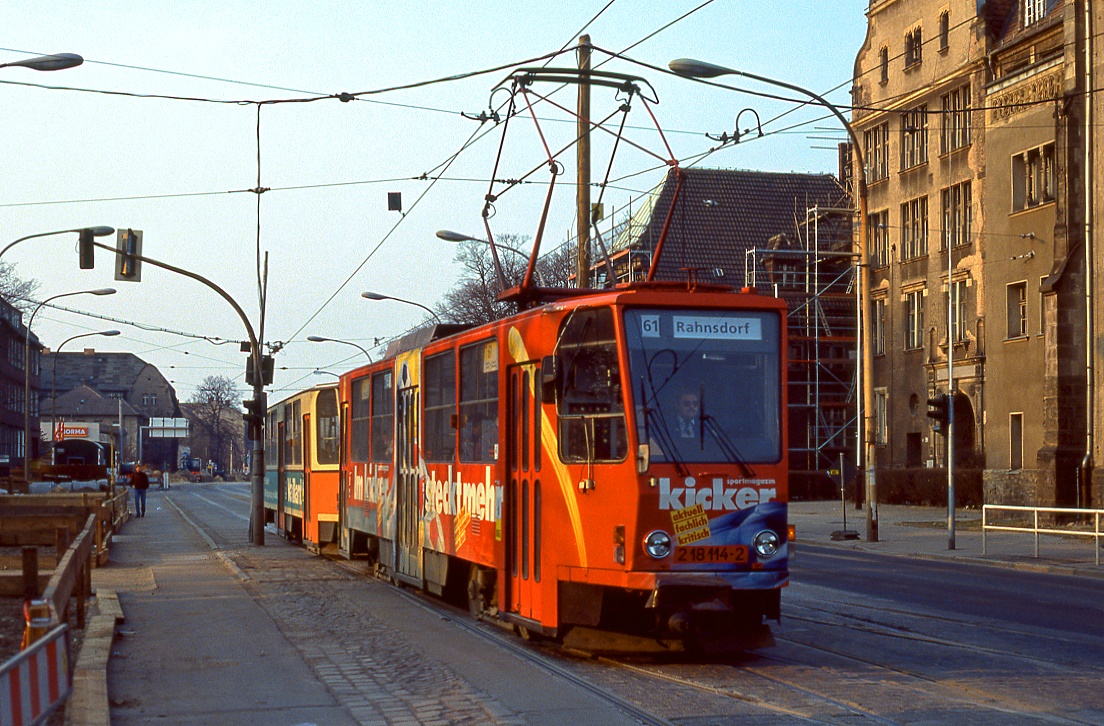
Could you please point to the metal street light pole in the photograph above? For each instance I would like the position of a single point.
(378, 296)
(701, 69)
(320, 339)
(257, 464)
(450, 236)
(27, 374)
(53, 388)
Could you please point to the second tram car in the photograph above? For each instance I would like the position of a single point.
(302, 467)
(608, 468)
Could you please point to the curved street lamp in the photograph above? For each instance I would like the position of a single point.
(450, 236)
(56, 62)
(378, 296)
(700, 69)
(96, 232)
(27, 374)
(53, 389)
(320, 339)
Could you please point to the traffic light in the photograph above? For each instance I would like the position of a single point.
(128, 263)
(87, 249)
(938, 410)
(267, 368)
(255, 409)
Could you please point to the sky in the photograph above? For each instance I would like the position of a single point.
(162, 130)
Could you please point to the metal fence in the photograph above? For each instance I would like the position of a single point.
(1036, 529)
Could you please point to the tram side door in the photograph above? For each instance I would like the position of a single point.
(306, 472)
(281, 475)
(408, 510)
(523, 494)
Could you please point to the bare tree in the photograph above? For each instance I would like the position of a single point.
(473, 300)
(216, 405)
(15, 290)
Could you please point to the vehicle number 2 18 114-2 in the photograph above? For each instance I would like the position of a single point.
(733, 554)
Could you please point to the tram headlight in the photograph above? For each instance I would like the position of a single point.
(657, 544)
(767, 543)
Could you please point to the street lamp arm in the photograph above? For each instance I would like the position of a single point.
(320, 339)
(96, 232)
(56, 62)
(378, 296)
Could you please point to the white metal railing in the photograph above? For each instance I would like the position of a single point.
(1036, 530)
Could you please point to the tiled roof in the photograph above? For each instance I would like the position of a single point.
(105, 372)
(721, 213)
(85, 401)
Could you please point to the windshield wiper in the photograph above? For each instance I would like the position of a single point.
(706, 422)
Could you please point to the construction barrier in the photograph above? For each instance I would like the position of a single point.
(35, 682)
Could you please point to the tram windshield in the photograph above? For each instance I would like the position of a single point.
(706, 384)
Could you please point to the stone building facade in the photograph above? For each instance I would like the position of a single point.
(972, 118)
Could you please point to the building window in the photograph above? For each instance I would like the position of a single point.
(914, 47)
(1015, 441)
(878, 334)
(914, 228)
(878, 234)
(1033, 178)
(149, 400)
(914, 137)
(914, 316)
(956, 120)
(1017, 309)
(944, 30)
(1034, 10)
(881, 431)
(876, 147)
(957, 216)
(958, 300)
(884, 61)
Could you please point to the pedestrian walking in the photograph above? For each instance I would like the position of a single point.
(140, 481)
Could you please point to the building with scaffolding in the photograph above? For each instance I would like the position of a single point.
(784, 234)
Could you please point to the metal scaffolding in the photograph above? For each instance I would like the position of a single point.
(816, 275)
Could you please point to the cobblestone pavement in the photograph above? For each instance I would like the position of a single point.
(372, 669)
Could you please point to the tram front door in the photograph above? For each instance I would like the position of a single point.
(408, 550)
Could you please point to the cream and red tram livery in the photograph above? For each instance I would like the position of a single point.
(605, 465)
(302, 467)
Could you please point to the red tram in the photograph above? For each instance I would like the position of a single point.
(608, 468)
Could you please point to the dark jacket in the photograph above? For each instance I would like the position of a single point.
(139, 480)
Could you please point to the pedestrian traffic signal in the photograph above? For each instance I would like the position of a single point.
(87, 249)
(254, 416)
(938, 409)
(128, 252)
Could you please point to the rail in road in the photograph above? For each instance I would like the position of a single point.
(863, 639)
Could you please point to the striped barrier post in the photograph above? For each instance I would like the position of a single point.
(35, 682)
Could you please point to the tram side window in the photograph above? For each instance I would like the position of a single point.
(327, 427)
(591, 407)
(439, 379)
(293, 433)
(383, 416)
(272, 431)
(360, 418)
(479, 402)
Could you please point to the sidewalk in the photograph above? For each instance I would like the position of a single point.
(911, 531)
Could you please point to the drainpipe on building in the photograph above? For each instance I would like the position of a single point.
(1084, 491)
